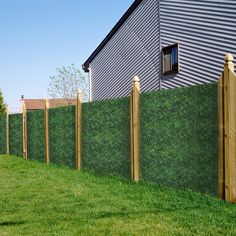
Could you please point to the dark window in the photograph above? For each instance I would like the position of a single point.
(170, 56)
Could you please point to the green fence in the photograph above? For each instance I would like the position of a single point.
(178, 138)
(62, 136)
(35, 135)
(15, 135)
(3, 134)
(106, 137)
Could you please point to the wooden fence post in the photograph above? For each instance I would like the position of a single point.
(230, 129)
(7, 129)
(227, 132)
(46, 106)
(78, 110)
(134, 129)
(24, 125)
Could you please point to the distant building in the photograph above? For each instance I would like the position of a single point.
(39, 104)
(167, 43)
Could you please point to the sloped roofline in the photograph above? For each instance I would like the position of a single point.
(131, 9)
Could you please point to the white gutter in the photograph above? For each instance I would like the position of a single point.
(90, 85)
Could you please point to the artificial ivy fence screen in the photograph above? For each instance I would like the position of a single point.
(106, 137)
(15, 135)
(3, 134)
(178, 138)
(62, 136)
(35, 135)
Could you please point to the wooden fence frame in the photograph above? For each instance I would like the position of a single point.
(46, 107)
(78, 114)
(24, 129)
(227, 132)
(134, 129)
(7, 130)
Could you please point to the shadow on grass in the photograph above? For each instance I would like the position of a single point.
(12, 223)
(131, 213)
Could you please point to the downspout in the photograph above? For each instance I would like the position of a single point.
(160, 52)
(90, 85)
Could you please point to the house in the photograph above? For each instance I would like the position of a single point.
(167, 43)
(39, 104)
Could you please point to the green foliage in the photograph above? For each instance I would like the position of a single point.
(3, 134)
(106, 137)
(35, 135)
(38, 199)
(66, 83)
(2, 104)
(16, 135)
(62, 136)
(178, 137)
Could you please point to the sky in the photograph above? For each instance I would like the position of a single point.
(39, 36)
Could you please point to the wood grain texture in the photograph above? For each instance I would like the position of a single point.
(78, 114)
(131, 137)
(46, 106)
(231, 181)
(7, 129)
(24, 127)
(229, 127)
(134, 116)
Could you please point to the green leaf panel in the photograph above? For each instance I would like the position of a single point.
(16, 135)
(35, 135)
(3, 134)
(178, 138)
(62, 136)
(106, 137)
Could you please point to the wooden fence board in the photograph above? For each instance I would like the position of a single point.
(24, 126)
(227, 132)
(46, 106)
(134, 128)
(78, 110)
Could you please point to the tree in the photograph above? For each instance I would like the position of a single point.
(3, 107)
(66, 83)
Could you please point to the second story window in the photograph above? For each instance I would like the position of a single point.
(170, 60)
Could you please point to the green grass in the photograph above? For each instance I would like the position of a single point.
(36, 199)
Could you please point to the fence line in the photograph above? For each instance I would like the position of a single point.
(226, 131)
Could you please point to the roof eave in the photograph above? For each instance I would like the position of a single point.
(131, 9)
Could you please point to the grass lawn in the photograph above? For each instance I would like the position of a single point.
(36, 199)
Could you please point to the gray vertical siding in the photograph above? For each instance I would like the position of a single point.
(205, 31)
(134, 49)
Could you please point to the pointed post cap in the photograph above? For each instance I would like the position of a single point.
(229, 57)
(79, 95)
(136, 84)
(136, 79)
(46, 102)
(79, 91)
(23, 106)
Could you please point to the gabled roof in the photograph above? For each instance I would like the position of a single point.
(131, 9)
(38, 104)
